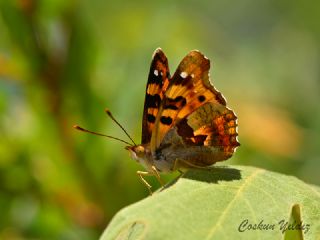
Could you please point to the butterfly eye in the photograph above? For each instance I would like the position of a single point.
(139, 151)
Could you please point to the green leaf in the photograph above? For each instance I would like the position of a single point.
(234, 202)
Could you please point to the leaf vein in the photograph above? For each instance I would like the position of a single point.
(237, 195)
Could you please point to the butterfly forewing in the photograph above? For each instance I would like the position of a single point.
(189, 89)
(157, 84)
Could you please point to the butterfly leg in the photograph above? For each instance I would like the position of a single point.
(141, 174)
(175, 165)
(157, 175)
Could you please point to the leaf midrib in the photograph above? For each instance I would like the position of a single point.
(236, 196)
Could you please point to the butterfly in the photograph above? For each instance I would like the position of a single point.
(186, 123)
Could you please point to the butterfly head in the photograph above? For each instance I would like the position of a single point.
(140, 153)
(136, 152)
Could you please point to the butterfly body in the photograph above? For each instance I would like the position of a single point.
(186, 123)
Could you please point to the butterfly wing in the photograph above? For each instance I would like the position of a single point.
(204, 137)
(158, 81)
(189, 89)
(213, 127)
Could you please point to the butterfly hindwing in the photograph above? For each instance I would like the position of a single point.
(214, 126)
(189, 89)
(206, 136)
(158, 81)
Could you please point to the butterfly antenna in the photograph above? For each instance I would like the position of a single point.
(99, 134)
(110, 115)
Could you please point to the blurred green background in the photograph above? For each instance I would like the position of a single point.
(63, 62)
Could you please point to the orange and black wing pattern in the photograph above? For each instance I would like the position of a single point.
(188, 90)
(158, 81)
(213, 126)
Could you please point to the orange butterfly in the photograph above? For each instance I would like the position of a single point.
(186, 123)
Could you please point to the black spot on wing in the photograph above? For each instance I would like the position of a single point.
(201, 98)
(174, 103)
(166, 120)
(178, 99)
(170, 106)
(153, 101)
(151, 118)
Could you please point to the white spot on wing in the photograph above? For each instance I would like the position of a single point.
(183, 74)
(156, 72)
(192, 75)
